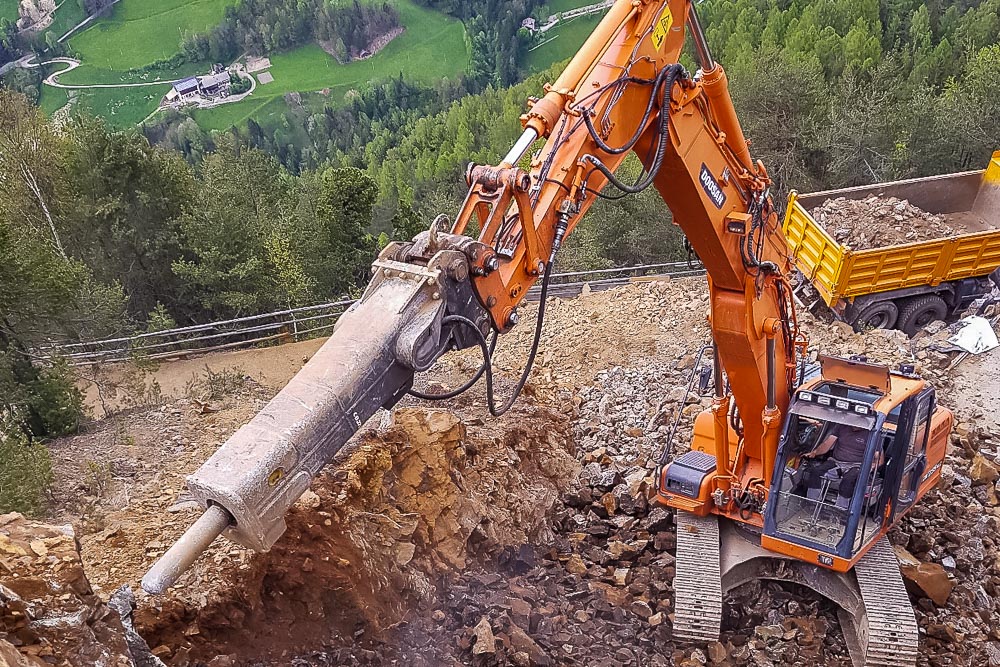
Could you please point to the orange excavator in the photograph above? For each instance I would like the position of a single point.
(789, 476)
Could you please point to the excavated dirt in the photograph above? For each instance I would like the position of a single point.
(445, 537)
(879, 222)
(411, 504)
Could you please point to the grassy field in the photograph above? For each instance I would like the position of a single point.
(52, 99)
(68, 15)
(119, 107)
(432, 47)
(564, 41)
(8, 10)
(140, 32)
(87, 74)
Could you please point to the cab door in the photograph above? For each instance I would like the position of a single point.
(910, 450)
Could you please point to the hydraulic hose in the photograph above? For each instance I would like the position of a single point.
(672, 74)
(611, 150)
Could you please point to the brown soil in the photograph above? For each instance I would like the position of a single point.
(109, 387)
(878, 222)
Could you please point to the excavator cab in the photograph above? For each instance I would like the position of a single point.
(853, 455)
(831, 472)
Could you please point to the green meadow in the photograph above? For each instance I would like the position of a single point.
(140, 32)
(8, 10)
(432, 47)
(557, 6)
(119, 107)
(563, 41)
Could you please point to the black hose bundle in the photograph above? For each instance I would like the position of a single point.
(488, 349)
(665, 81)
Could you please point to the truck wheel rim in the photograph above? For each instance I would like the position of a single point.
(877, 321)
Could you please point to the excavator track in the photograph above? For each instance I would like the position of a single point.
(892, 634)
(698, 581)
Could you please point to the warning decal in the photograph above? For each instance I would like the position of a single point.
(662, 27)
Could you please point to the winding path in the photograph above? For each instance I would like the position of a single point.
(51, 79)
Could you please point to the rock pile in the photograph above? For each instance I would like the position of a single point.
(35, 14)
(411, 504)
(878, 222)
(948, 550)
(48, 613)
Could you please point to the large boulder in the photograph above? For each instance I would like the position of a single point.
(931, 578)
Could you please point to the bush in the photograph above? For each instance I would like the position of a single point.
(25, 473)
(39, 402)
(55, 398)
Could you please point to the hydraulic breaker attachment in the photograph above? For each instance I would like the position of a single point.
(395, 330)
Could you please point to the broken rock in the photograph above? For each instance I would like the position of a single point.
(983, 471)
(485, 641)
(48, 604)
(931, 578)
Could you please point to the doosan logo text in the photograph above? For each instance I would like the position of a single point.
(712, 187)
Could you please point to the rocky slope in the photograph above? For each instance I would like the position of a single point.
(444, 537)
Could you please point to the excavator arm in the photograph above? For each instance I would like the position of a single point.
(624, 92)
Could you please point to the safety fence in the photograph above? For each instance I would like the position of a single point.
(296, 324)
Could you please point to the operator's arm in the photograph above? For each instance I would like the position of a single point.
(824, 448)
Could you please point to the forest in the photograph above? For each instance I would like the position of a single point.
(107, 232)
(260, 27)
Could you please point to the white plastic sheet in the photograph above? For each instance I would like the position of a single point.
(975, 336)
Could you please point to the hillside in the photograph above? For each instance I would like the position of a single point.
(141, 43)
(432, 47)
(562, 41)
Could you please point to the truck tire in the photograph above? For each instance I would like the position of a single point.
(920, 311)
(878, 315)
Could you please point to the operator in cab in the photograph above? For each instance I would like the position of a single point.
(842, 450)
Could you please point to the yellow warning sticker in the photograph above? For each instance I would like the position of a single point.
(662, 27)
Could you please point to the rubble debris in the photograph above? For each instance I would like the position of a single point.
(877, 222)
(407, 506)
(48, 613)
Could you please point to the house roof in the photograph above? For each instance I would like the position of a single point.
(185, 86)
(213, 80)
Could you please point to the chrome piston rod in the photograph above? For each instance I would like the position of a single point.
(186, 550)
(520, 148)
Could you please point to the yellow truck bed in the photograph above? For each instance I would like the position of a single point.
(840, 273)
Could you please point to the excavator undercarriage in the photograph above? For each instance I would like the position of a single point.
(716, 557)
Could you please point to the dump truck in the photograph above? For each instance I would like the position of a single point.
(904, 286)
